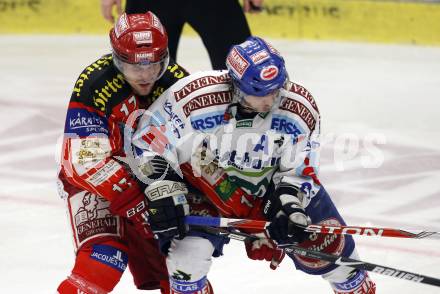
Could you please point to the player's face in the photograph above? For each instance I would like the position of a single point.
(141, 77)
(260, 103)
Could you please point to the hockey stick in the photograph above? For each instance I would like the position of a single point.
(339, 260)
(322, 229)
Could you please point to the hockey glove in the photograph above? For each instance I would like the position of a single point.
(288, 219)
(167, 208)
(265, 249)
(132, 206)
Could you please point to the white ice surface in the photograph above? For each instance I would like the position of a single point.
(388, 94)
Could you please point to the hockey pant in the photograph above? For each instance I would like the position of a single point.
(342, 279)
(105, 245)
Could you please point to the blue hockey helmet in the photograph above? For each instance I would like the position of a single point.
(256, 68)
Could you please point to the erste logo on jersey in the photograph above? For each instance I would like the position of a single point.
(121, 26)
(208, 121)
(237, 63)
(269, 73)
(286, 125)
(145, 37)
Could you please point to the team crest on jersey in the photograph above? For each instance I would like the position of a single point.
(260, 56)
(144, 37)
(269, 73)
(121, 26)
(237, 63)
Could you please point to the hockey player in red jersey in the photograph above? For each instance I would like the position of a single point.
(104, 200)
(249, 138)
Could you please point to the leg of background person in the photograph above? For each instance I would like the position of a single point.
(169, 13)
(220, 24)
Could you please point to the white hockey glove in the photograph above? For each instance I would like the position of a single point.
(167, 208)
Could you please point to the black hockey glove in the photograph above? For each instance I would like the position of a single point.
(288, 218)
(167, 208)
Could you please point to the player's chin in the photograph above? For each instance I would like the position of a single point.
(264, 109)
(143, 88)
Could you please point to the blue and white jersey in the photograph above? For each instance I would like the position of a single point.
(194, 121)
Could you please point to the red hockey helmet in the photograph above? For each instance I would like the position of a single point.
(139, 39)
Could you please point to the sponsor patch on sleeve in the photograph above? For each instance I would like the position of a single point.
(110, 256)
(84, 123)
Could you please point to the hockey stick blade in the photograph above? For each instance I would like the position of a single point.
(339, 260)
(321, 229)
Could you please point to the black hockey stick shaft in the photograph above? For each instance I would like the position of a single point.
(339, 260)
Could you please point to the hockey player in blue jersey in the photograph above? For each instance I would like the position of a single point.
(248, 129)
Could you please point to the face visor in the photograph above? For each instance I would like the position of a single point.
(253, 103)
(144, 71)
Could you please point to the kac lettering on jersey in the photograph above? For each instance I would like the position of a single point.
(230, 158)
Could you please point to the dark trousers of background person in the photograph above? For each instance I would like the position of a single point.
(220, 23)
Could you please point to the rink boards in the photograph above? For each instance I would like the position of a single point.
(350, 20)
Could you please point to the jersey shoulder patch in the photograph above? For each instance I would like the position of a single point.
(300, 90)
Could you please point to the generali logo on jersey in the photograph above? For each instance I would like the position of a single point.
(199, 84)
(202, 101)
(92, 216)
(237, 62)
